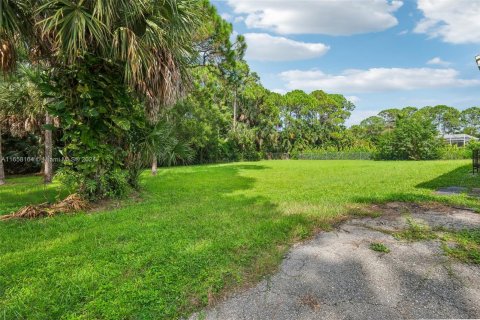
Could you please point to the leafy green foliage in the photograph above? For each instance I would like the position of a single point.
(332, 153)
(465, 247)
(23, 148)
(379, 247)
(380, 132)
(152, 42)
(416, 231)
(159, 141)
(413, 138)
(99, 119)
(470, 120)
(104, 64)
(446, 119)
(453, 152)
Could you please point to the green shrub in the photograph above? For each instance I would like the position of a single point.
(101, 121)
(412, 138)
(379, 247)
(113, 184)
(453, 152)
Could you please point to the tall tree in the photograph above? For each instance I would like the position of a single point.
(153, 43)
(390, 116)
(48, 158)
(23, 102)
(2, 168)
(93, 46)
(236, 72)
(445, 118)
(470, 119)
(373, 127)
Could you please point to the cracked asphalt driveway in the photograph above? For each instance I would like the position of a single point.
(337, 276)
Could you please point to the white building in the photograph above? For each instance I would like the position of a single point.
(459, 139)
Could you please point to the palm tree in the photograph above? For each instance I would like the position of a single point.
(160, 144)
(153, 42)
(48, 162)
(24, 110)
(150, 43)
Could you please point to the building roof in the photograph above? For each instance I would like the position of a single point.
(459, 136)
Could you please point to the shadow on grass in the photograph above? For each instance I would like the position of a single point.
(177, 251)
(461, 177)
(460, 201)
(16, 195)
(250, 167)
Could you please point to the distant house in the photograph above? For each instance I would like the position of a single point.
(459, 139)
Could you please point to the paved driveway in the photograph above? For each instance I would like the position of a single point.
(337, 276)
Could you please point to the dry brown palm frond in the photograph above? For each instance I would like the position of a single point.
(31, 124)
(8, 56)
(17, 127)
(44, 46)
(72, 203)
(28, 212)
(56, 122)
(163, 84)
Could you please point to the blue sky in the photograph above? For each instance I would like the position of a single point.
(378, 53)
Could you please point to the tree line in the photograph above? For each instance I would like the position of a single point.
(416, 133)
(111, 87)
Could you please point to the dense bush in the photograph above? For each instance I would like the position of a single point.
(100, 121)
(453, 152)
(335, 154)
(21, 147)
(412, 138)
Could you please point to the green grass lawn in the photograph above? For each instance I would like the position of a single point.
(24, 190)
(197, 232)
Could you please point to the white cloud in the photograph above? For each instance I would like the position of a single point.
(329, 17)
(439, 62)
(264, 47)
(453, 21)
(375, 80)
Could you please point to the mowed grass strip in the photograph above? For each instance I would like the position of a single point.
(197, 232)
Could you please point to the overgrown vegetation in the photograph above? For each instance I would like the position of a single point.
(414, 134)
(463, 245)
(194, 232)
(110, 87)
(379, 247)
(102, 73)
(416, 231)
(87, 82)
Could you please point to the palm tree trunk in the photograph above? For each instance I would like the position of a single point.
(2, 169)
(154, 166)
(41, 155)
(235, 110)
(48, 169)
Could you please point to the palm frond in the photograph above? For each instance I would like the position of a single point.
(75, 28)
(14, 22)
